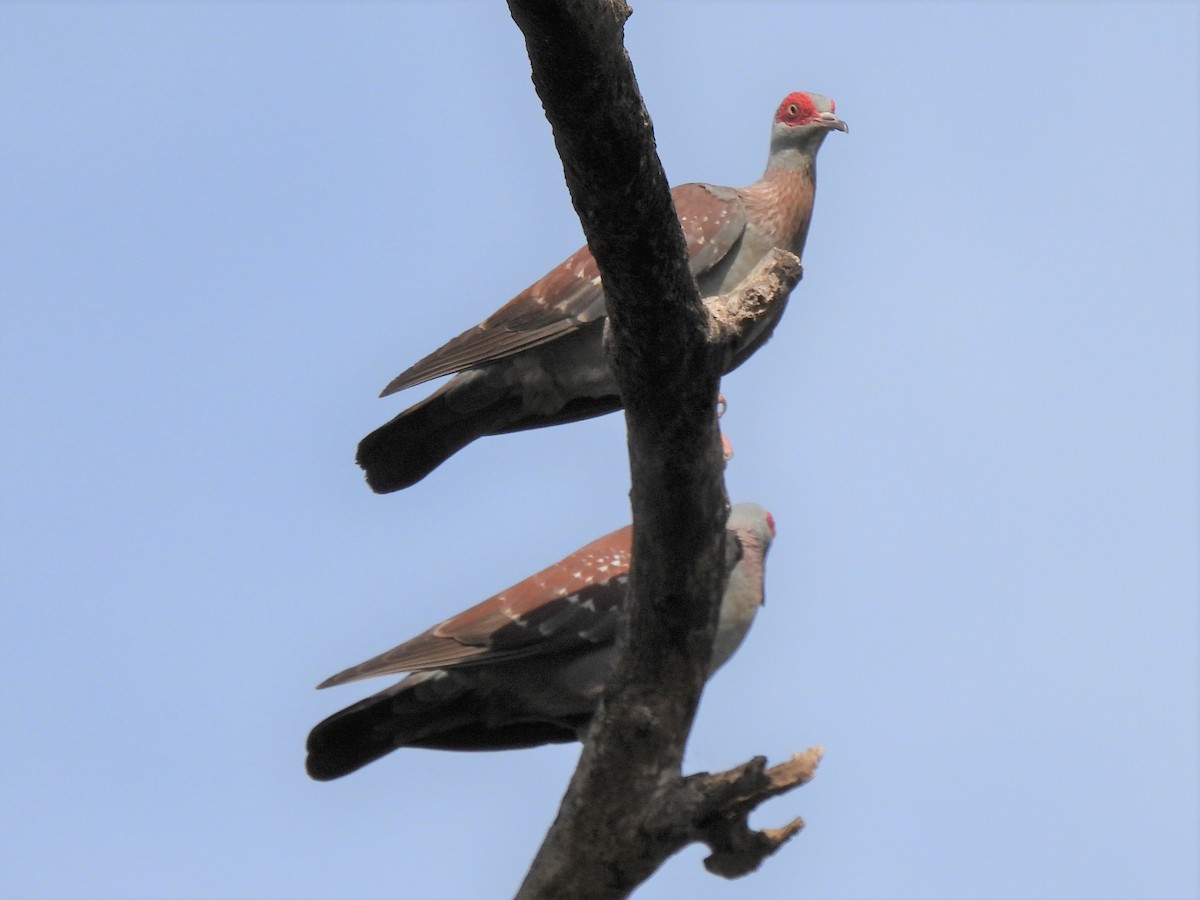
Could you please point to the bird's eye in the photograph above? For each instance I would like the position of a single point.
(793, 109)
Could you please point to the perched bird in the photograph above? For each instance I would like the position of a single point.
(540, 359)
(527, 666)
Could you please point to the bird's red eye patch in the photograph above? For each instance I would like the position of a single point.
(771, 522)
(796, 107)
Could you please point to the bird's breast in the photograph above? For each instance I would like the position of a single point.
(779, 209)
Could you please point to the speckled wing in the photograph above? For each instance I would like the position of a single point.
(572, 604)
(569, 296)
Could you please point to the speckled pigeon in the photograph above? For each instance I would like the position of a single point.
(527, 666)
(540, 359)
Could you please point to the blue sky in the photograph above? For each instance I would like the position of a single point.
(224, 227)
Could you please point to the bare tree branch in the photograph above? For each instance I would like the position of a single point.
(627, 808)
(721, 804)
(729, 315)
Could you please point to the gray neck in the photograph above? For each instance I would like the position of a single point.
(794, 153)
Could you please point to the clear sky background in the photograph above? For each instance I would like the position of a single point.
(225, 226)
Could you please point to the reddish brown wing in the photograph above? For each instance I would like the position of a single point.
(713, 219)
(570, 295)
(572, 603)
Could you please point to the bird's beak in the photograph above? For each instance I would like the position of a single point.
(832, 122)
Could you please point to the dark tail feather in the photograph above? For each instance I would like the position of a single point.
(402, 452)
(350, 739)
(440, 715)
(416, 707)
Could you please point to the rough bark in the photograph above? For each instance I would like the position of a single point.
(628, 807)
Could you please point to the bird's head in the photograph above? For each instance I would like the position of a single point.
(802, 121)
(801, 109)
(752, 523)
